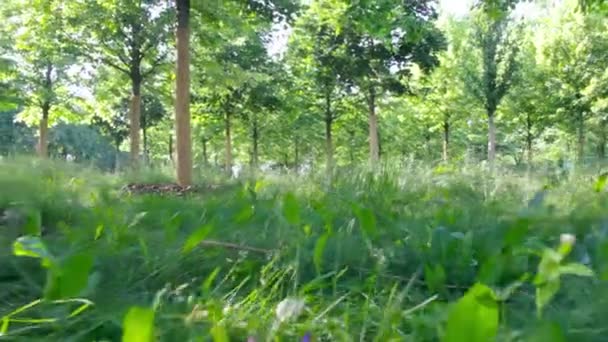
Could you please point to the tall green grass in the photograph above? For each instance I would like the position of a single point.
(383, 255)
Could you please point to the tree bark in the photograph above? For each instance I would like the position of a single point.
(134, 119)
(446, 140)
(182, 95)
(374, 150)
(43, 151)
(491, 139)
(43, 144)
(329, 148)
(228, 143)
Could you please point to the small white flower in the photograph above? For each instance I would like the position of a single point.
(289, 308)
(567, 239)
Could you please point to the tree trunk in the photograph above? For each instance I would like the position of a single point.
(135, 119)
(374, 150)
(446, 140)
(228, 144)
(255, 135)
(43, 151)
(529, 139)
(491, 139)
(329, 148)
(182, 95)
(43, 147)
(580, 143)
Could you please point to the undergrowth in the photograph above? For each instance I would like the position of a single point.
(402, 254)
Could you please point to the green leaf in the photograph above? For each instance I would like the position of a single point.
(34, 247)
(548, 268)
(291, 209)
(197, 237)
(137, 219)
(98, 231)
(138, 325)
(434, 277)
(491, 269)
(206, 286)
(544, 294)
(319, 250)
(4, 326)
(516, 234)
(474, 318)
(33, 223)
(307, 230)
(600, 184)
(576, 269)
(548, 331)
(70, 278)
(505, 293)
(219, 333)
(367, 221)
(244, 214)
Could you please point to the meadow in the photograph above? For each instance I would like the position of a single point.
(407, 253)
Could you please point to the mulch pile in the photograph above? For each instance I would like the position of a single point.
(167, 189)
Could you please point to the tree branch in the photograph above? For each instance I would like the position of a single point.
(109, 62)
(157, 62)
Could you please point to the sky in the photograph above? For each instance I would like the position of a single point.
(455, 7)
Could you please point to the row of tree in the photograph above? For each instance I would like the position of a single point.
(352, 81)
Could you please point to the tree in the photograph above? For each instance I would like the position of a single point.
(495, 40)
(442, 95)
(42, 56)
(382, 52)
(529, 106)
(574, 58)
(116, 129)
(317, 58)
(15, 137)
(182, 94)
(152, 112)
(233, 69)
(81, 143)
(261, 101)
(130, 36)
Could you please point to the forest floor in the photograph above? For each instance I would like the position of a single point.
(410, 254)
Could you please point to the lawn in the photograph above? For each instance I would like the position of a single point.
(408, 253)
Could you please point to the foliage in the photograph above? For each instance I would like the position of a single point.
(351, 256)
(285, 235)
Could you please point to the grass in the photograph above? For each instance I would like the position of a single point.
(374, 257)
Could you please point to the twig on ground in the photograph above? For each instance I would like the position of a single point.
(229, 245)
